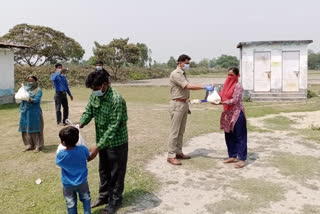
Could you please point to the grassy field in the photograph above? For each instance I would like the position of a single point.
(148, 131)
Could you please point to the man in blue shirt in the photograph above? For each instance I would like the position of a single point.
(62, 89)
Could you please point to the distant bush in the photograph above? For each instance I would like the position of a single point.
(77, 74)
(311, 94)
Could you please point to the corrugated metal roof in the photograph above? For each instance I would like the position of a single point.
(272, 42)
(11, 45)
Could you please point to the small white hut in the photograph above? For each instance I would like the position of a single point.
(274, 70)
(7, 72)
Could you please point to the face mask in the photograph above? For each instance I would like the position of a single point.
(59, 71)
(29, 85)
(99, 68)
(186, 67)
(98, 93)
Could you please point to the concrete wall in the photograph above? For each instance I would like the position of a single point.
(247, 65)
(7, 76)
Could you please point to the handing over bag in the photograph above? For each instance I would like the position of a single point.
(22, 94)
(81, 141)
(213, 97)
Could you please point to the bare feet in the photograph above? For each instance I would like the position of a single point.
(240, 164)
(230, 160)
(28, 149)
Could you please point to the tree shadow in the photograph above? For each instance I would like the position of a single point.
(49, 148)
(136, 201)
(9, 106)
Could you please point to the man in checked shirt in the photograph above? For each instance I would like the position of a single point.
(109, 110)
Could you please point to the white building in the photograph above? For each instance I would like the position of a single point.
(274, 70)
(7, 72)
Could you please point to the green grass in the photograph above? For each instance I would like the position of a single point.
(302, 167)
(257, 194)
(310, 134)
(148, 113)
(201, 164)
(310, 209)
(278, 123)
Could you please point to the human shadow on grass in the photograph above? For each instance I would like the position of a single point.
(47, 101)
(252, 157)
(202, 152)
(49, 148)
(136, 201)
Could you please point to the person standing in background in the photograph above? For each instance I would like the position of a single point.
(31, 120)
(60, 98)
(99, 67)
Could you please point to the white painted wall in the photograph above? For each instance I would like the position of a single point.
(247, 64)
(7, 75)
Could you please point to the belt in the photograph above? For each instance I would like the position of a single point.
(181, 100)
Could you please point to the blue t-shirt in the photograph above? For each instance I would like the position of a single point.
(73, 165)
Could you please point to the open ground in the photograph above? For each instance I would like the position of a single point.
(282, 176)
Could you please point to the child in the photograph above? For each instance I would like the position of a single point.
(74, 172)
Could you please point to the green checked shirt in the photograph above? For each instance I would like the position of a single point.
(110, 114)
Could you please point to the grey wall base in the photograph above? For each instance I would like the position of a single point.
(275, 95)
(7, 99)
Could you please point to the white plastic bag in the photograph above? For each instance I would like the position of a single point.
(22, 94)
(214, 97)
(81, 141)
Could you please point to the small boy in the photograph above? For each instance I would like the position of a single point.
(74, 171)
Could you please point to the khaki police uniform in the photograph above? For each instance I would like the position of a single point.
(178, 108)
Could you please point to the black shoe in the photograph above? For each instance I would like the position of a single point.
(110, 209)
(98, 203)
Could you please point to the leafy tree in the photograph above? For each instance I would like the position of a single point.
(204, 63)
(144, 54)
(46, 45)
(159, 65)
(92, 60)
(172, 63)
(313, 60)
(212, 63)
(117, 54)
(193, 64)
(226, 61)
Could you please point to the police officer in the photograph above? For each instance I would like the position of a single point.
(179, 108)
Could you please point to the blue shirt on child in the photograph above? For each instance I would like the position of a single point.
(73, 165)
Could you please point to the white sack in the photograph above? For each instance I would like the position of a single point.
(81, 141)
(214, 97)
(22, 94)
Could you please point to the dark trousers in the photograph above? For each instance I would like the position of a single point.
(60, 99)
(237, 139)
(112, 171)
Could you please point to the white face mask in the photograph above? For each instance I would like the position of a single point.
(59, 70)
(98, 93)
(186, 67)
(99, 68)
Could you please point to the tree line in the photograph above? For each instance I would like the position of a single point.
(49, 46)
